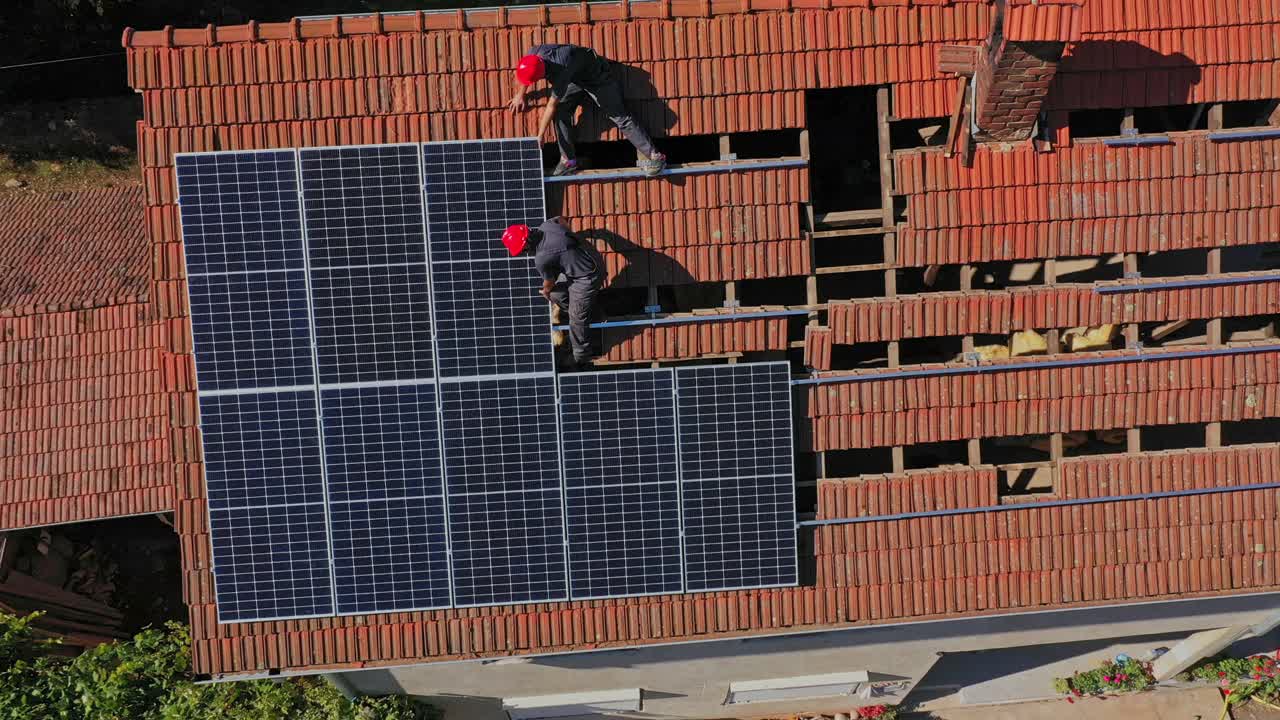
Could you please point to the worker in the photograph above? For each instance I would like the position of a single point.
(573, 72)
(572, 275)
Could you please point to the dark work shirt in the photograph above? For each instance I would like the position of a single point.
(567, 64)
(560, 252)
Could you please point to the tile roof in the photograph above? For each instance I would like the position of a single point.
(84, 416)
(723, 66)
(84, 412)
(71, 250)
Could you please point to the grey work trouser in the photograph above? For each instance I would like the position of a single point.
(606, 91)
(577, 296)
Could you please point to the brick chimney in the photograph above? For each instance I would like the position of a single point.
(1017, 64)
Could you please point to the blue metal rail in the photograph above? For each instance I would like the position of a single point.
(1136, 357)
(716, 167)
(1036, 505)
(1138, 141)
(1190, 283)
(684, 320)
(1262, 134)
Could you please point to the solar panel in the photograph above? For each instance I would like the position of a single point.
(366, 246)
(261, 449)
(363, 205)
(386, 498)
(622, 491)
(271, 562)
(737, 484)
(506, 516)
(490, 319)
(474, 190)
(239, 211)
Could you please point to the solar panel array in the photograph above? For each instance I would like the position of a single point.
(383, 427)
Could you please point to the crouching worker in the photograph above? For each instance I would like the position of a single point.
(572, 275)
(575, 73)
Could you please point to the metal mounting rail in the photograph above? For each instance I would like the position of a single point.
(1135, 357)
(1036, 505)
(1262, 134)
(700, 169)
(1190, 283)
(683, 320)
(1138, 141)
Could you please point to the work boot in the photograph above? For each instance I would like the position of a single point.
(653, 165)
(565, 167)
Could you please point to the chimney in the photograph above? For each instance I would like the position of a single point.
(1017, 64)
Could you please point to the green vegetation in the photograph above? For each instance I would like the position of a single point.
(147, 678)
(1109, 677)
(1256, 677)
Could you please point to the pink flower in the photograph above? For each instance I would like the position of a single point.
(1106, 678)
(1071, 700)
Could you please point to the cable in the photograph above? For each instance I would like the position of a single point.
(60, 60)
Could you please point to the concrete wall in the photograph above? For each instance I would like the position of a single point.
(691, 680)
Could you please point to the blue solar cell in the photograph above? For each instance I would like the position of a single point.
(271, 562)
(372, 324)
(737, 483)
(390, 555)
(240, 211)
(476, 189)
(363, 205)
(251, 330)
(261, 449)
(622, 492)
(490, 319)
(381, 442)
(506, 520)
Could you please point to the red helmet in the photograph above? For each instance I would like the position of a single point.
(530, 70)
(515, 239)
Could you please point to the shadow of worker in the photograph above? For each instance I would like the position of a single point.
(1123, 73)
(628, 266)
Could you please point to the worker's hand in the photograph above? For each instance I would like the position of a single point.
(518, 103)
(545, 293)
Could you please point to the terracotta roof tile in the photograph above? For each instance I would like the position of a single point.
(68, 250)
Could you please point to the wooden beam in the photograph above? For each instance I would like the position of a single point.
(1215, 116)
(1127, 122)
(833, 269)
(973, 447)
(886, 155)
(845, 232)
(899, 459)
(1133, 440)
(957, 118)
(725, 152)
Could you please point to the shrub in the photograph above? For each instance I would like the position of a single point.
(147, 678)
